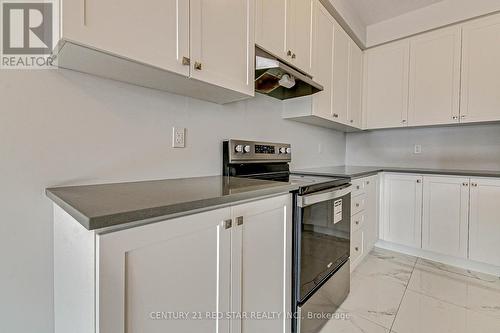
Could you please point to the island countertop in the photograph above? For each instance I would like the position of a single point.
(107, 205)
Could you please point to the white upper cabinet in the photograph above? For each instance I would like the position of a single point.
(299, 35)
(386, 85)
(402, 209)
(221, 40)
(354, 111)
(284, 28)
(341, 45)
(337, 66)
(434, 90)
(198, 48)
(447, 76)
(156, 33)
(445, 219)
(323, 31)
(480, 99)
(484, 241)
(271, 22)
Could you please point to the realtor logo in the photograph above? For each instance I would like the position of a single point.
(28, 31)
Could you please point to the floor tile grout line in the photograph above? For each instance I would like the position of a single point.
(421, 261)
(404, 293)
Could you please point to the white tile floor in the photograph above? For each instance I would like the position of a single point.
(397, 293)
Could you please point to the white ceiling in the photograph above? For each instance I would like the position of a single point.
(374, 11)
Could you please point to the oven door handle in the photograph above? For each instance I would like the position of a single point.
(314, 198)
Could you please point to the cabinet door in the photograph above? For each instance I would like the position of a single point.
(435, 78)
(175, 265)
(484, 235)
(386, 85)
(340, 74)
(481, 70)
(357, 247)
(445, 219)
(261, 273)
(271, 20)
(299, 33)
(370, 223)
(156, 33)
(323, 61)
(354, 111)
(402, 215)
(222, 43)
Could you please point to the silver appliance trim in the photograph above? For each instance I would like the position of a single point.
(311, 199)
(322, 306)
(272, 153)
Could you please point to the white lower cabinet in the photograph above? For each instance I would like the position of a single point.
(402, 209)
(457, 217)
(484, 238)
(356, 247)
(371, 224)
(181, 265)
(364, 220)
(229, 260)
(445, 218)
(261, 264)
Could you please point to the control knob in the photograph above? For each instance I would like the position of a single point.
(282, 150)
(247, 149)
(238, 148)
(289, 150)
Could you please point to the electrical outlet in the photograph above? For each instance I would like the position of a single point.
(417, 149)
(178, 137)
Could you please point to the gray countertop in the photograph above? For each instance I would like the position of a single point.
(353, 171)
(101, 206)
(107, 205)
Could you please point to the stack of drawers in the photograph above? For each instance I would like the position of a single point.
(364, 227)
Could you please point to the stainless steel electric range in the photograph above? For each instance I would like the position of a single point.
(321, 230)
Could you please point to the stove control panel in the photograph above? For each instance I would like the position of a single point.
(253, 151)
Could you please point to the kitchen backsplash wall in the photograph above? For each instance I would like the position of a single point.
(62, 127)
(459, 147)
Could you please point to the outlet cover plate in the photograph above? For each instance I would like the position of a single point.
(178, 137)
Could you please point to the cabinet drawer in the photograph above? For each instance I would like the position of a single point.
(358, 204)
(358, 187)
(369, 182)
(357, 221)
(356, 245)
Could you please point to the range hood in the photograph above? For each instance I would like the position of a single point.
(276, 79)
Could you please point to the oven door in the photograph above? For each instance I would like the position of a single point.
(323, 238)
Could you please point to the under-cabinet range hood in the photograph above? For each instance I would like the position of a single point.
(276, 79)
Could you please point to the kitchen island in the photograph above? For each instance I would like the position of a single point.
(173, 255)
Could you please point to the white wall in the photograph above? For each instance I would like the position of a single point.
(430, 17)
(458, 147)
(61, 127)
